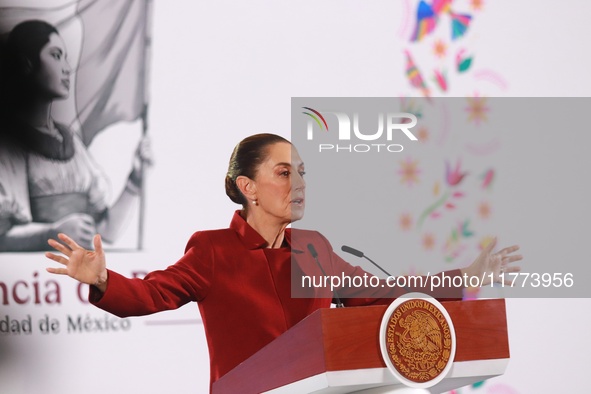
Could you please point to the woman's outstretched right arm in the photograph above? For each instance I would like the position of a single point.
(187, 280)
(85, 266)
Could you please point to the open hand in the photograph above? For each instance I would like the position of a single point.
(85, 266)
(488, 265)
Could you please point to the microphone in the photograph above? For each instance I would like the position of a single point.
(314, 254)
(359, 253)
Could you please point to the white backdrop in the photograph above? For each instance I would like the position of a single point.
(223, 70)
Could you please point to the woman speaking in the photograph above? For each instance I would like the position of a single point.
(242, 276)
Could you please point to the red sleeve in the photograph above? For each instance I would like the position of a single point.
(189, 279)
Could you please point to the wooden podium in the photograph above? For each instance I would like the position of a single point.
(338, 351)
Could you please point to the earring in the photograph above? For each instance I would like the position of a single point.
(255, 202)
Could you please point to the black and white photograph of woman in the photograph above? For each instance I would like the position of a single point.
(49, 181)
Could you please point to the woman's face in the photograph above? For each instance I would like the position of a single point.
(280, 186)
(53, 75)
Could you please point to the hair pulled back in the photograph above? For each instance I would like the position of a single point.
(245, 160)
(21, 58)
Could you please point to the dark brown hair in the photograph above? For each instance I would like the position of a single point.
(245, 160)
(20, 58)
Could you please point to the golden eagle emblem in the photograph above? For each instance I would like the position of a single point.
(418, 340)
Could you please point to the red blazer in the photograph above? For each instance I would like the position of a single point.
(242, 288)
